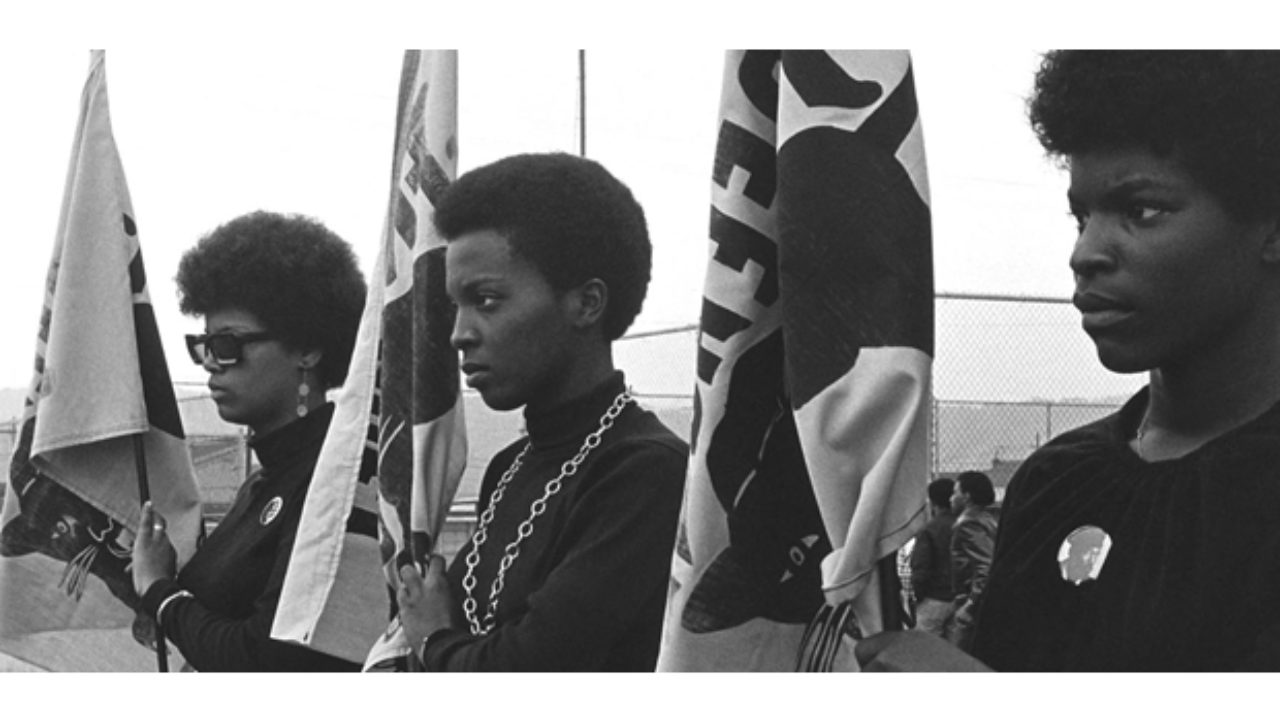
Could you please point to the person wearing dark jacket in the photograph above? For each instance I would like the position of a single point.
(973, 539)
(931, 563)
(568, 569)
(281, 298)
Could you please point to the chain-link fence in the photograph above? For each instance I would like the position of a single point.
(1009, 373)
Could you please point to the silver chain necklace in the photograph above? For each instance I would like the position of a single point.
(539, 506)
(1141, 434)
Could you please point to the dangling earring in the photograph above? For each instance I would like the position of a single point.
(304, 391)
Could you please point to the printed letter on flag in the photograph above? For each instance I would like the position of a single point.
(397, 448)
(66, 594)
(809, 452)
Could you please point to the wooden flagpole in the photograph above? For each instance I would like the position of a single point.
(144, 495)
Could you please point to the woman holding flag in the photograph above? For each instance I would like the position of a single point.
(281, 297)
(548, 262)
(1150, 540)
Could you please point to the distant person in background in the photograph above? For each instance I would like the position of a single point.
(548, 262)
(973, 540)
(281, 298)
(1150, 540)
(931, 562)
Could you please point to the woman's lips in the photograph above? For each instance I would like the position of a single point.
(1100, 312)
(474, 373)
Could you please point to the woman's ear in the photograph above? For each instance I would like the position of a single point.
(592, 297)
(310, 359)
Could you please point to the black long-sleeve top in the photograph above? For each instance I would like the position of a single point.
(589, 588)
(237, 573)
(1192, 578)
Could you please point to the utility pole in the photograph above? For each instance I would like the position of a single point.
(582, 103)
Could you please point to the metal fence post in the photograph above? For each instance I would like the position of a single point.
(934, 459)
(1048, 421)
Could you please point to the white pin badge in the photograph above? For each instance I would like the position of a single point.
(271, 510)
(1083, 553)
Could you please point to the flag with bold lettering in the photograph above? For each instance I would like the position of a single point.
(809, 452)
(397, 448)
(100, 382)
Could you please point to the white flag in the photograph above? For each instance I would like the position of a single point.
(100, 384)
(809, 452)
(396, 450)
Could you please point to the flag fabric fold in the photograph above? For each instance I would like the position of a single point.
(396, 450)
(809, 451)
(100, 382)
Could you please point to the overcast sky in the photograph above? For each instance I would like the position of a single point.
(211, 135)
(242, 110)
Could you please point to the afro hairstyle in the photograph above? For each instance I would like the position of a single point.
(1215, 112)
(568, 216)
(295, 275)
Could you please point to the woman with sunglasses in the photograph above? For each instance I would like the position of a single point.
(1150, 540)
(281, 298)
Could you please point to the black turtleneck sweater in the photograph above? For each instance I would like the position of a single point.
(237, 573)
(588, 589)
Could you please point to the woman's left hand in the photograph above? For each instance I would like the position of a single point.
(153, 555)
(425, 602)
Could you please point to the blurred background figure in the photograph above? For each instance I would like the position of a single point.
(973, 539)
(931, 562)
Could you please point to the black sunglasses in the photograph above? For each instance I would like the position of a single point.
(225, 348)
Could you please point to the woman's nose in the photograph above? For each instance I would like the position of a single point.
(463, 334)
(209, 364)
(1093, 252)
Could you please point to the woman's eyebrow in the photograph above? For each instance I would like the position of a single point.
(1123, 188)
(471, 285)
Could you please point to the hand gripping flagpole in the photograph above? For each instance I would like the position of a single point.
(144, 496)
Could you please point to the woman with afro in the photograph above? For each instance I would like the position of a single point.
(1150, 540)
(548, 263)
(281, 298)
